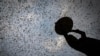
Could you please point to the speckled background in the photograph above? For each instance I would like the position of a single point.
(27, 26)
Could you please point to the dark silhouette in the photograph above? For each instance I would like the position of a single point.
(89, 46)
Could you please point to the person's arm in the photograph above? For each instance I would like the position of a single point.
(72, 41)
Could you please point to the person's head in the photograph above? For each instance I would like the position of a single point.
(63, 25)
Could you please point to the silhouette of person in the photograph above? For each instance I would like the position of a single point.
(89, 46)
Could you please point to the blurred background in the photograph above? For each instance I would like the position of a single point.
(27, 26)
